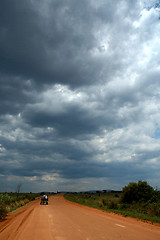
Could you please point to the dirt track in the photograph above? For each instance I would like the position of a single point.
(62, 220)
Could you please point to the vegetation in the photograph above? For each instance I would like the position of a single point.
(11, 201)
(136, 192)
(138, 200)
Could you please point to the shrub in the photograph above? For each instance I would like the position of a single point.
(112, 205)
(137, 192)
(104, 201)
(156, 196)
(10, 201)
(6, 199)
(116, 195)
(153, 209)
(3, 212)
(124, 206)
(101, 204)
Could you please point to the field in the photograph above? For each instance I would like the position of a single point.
(112, 202)
(11, 201)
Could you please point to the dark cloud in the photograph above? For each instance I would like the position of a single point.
(38, 43)
(14, 93)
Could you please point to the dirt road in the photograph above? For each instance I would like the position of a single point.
(62, 220)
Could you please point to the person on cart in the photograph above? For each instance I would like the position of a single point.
(44, 199)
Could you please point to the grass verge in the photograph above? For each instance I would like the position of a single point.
(110, 202)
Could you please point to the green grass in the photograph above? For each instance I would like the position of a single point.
(111, 202)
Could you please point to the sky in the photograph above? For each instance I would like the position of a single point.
(79, 94)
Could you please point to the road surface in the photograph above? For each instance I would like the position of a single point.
(63, 220)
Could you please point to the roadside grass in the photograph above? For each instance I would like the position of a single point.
(98, 200)
(111, 202)
(12, 201)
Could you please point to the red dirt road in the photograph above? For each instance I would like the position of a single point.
(62, 220)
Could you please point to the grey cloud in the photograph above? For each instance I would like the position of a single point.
(36, 44)
(14, 93)
(72, 163)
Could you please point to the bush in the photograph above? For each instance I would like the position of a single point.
(101, 204)
(11, 201)
(124, 206)
(153, 209)
(137, 192)
(3, 212)
(112, 205)
(6, 199)
(116, 195)
(156, 196)
(105, 202)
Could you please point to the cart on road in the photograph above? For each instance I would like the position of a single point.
(44, 200)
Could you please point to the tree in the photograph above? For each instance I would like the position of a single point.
(19, 185)
(140, 191)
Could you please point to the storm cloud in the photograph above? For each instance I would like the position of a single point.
(79, 94)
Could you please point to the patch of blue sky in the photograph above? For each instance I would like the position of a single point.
(157, 4)
(151, 4)
(156, 134)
